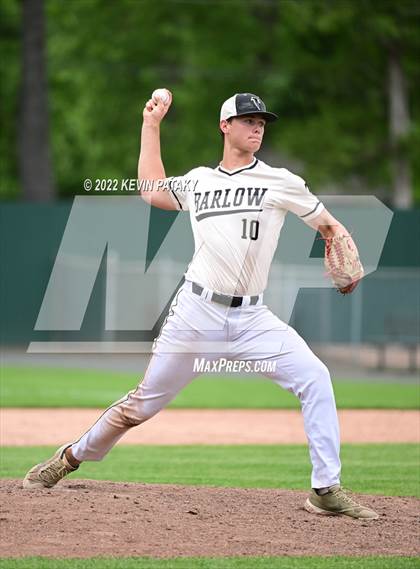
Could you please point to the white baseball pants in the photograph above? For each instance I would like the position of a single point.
(197, 327)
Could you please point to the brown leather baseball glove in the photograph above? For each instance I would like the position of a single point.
(342, 263)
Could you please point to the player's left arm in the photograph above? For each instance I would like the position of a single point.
(327, 225)
(341, 255)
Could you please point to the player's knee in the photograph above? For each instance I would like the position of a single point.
(137, 411)
(322, 384)
(322, 373)
(140, 406)
(141, 414)
(317, 382)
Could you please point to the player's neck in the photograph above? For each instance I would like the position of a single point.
(232, 160)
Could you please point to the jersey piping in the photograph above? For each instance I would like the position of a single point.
(239, 170)
(312, 211)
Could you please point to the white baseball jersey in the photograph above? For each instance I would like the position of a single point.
(236, 218)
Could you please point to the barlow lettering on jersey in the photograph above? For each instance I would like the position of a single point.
(216, 202)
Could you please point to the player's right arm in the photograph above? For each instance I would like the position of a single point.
(150, 165)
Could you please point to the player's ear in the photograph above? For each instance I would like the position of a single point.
(224, 126)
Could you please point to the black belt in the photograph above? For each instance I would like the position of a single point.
(225, 299)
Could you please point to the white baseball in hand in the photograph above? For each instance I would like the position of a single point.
(161, 95)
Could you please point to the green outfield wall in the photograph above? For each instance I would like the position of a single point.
(384, 309)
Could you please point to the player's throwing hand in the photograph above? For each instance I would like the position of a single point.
(156, 108)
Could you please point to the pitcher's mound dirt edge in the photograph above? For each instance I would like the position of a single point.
(86, 518)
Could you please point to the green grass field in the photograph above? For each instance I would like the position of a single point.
(370, 469)
(46, 387)
(387, 469)
(216, 563)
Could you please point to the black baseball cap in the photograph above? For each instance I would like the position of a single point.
(245, 104)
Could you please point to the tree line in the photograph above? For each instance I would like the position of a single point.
(341, 75)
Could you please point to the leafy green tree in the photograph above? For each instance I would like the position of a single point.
(331, 73)
(323, 66)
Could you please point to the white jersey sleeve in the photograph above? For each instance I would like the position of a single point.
(181, 188)
(295, 196)
(177, 193)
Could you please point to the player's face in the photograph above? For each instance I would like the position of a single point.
(246, 133)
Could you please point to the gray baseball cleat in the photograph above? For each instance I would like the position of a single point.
(335, 502)
(48, 473)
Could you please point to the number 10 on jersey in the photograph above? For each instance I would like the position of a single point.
(250, 229)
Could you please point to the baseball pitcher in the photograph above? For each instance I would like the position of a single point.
(236, 211)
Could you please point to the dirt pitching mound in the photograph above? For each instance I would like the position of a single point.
(88, 518)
